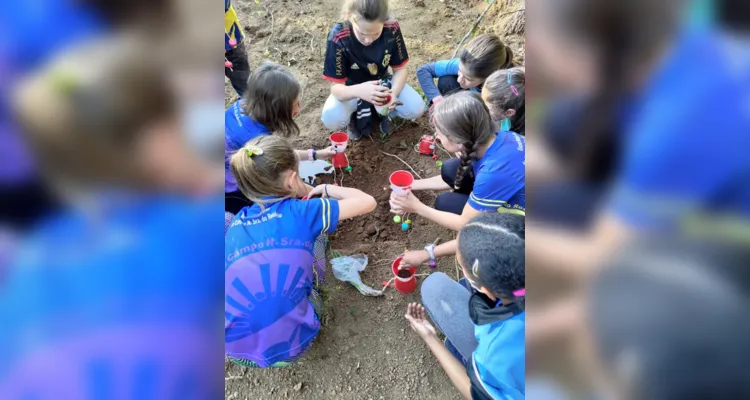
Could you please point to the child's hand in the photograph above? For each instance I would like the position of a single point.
(373, 93)
(415, 314)
(405, 202)
(414, 259)
(325, 154)
(318, 191)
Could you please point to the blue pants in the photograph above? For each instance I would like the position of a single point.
(447, 303)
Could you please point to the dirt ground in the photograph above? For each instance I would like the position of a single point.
(366, 349)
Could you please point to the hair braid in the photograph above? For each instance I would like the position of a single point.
(468, 155)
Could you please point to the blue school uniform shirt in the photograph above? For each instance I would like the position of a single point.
(123, 299)
(500, 357)
(686, 154)
(269, 274)
(427, 74)
(500, 176)
(238, 130)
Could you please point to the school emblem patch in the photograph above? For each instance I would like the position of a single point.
(373, 68)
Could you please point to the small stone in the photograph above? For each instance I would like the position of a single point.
(372, 230)
(298, 387)
(387, 352)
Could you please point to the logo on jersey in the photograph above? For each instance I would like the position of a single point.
(386, 59)
(373, 68)
(354, 66)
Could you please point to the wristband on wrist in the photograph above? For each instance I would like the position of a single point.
(430, 249)
(314, 155)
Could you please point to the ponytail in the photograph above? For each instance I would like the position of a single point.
(259, 168)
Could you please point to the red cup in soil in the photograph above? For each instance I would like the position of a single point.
(427, 145)
(339, 160)
(405, 281)
(339, 140)
(400, 181)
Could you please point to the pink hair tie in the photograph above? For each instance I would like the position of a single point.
(521, 292)
(513, 88)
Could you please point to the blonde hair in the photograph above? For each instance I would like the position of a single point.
(370, 10)
(85, 114)
(261, 175)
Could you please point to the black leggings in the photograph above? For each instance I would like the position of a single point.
(240, 71)
(448, 84)
(455, 201)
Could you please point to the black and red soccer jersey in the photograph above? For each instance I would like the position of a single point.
(349, 61)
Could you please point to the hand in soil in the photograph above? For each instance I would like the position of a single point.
(417, 317)
(405, 202)
(414, 259)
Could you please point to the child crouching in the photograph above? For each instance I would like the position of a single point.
(275, 254)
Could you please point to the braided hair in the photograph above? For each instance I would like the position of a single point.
(465, 120)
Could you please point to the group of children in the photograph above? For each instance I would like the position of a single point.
(275, 246)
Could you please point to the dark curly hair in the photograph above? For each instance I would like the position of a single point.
(465, 119)
(492, 249)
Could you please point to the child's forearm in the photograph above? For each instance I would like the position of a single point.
(398, 82)
(434, 183)
(452, 367)
(343, 92)
(446, 249)
(442, 218)
(426, 78)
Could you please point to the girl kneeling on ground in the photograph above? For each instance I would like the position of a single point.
(488, 176)
(484, 351)
(275, 254)
(270, 104)
(358, 55)
(484, 55)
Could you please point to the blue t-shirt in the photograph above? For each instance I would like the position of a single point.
(125, 299)
(270, 267)
(686, 153)
(427, 73)
(238, 130)
(500, 357)
(500, 176)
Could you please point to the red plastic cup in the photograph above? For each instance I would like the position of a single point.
(427, 145)
(404, 285)
(339, 160)
(339, 141)
(400, 181)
